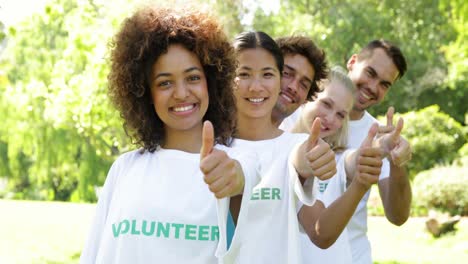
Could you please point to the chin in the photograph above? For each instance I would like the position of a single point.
(326, 134)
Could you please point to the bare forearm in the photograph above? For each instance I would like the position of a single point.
(331, 221)
(396, 195)
(350, 166)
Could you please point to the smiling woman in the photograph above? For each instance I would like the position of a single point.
(170, 71)
(332, 105)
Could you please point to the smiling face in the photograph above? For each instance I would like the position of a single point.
(372, 76)
(298, 75)
(332, 105)
(257, 83)
(179, 90)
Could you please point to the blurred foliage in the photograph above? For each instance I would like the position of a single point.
(442, 188)
(434, 136)
(60, 133)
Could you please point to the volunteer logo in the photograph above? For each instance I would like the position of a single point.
(322, 186)
(266, 194)
(165, 230)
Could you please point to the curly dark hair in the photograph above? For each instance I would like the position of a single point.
(304, 46)
(147, 35)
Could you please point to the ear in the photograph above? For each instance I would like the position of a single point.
(236, 83)
(351, 62)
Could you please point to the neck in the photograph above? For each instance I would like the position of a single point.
(185, 140)
(299, 128)
(277, 118)
(356, 114)
(256, 128)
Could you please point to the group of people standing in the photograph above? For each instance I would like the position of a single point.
(251, 150)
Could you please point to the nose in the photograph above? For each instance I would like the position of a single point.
(373, 86)
(329, 118)
(255, 85)
(293, 85)
(181, 91)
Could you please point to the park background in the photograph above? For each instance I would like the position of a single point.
(60, 134)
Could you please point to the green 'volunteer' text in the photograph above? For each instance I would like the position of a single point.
(266, 194)
(166, 230)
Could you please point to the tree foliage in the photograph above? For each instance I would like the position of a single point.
(61, 133)
(434, 136)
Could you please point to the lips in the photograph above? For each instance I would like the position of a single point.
(256, 100)
(365, 95)
(324, 128)
(183, 108)
(288, 97)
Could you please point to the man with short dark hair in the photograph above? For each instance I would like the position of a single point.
(374, 70)
(304, 67)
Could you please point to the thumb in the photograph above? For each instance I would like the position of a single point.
(314, 133)
(367, 143)
(396, 133)
(207, 139)
(390, 112)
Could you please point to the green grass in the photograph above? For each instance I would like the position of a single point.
(43, 232)
(53, 232)
(410, 243)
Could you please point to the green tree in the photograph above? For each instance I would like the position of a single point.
(59, 119)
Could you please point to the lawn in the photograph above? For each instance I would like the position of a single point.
(53, 232)
(410, 243)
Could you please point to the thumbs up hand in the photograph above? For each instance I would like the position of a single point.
(223, 175)
(389, 127)
(401, 152)
(319, 159)
(392, 143)
(368, 161)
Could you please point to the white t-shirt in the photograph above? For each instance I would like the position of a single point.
(155, 207)
(340, 251)
(329, 191)
(288, 123)
(270, 233)
(357, 226)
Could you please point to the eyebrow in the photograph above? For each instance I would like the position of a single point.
(385, 82)
(263, 69)
(292, 69)
(328, 100)
(166, 74)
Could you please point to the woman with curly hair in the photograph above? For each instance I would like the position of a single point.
(170, 71)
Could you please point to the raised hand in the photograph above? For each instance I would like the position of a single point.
(392, 143)
(388, 141)
(320, 157)
(389, 127)
(401, 152)
(368, 160)
(223, 175)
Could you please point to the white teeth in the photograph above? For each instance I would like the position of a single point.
(365, 96)
(256, 100)
(183, 108)
(287, 98)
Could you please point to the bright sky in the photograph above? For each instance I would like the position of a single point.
(267, 5)
(13, 11)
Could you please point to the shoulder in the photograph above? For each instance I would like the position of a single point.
(128, 159)
(295, 137)
(129, 156)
